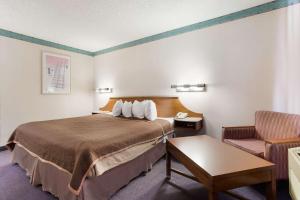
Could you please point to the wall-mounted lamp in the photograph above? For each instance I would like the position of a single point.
(104, 90)
(190, 88)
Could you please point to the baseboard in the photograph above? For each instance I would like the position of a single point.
(3, 148)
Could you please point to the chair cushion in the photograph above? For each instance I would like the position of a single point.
(253, 146)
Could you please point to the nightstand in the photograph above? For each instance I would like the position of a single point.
(187, 126)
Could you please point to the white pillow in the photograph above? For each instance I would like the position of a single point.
(150, 110)
(138, 109)
(126, 109)
(117, 109)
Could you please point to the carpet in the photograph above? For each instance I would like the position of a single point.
(14, 185)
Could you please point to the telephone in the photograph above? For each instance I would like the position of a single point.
(181, 115)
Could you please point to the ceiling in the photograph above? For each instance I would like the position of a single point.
(94, 25)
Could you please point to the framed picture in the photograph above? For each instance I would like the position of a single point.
(56, 74)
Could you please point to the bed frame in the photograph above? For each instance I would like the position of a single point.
(166, 106)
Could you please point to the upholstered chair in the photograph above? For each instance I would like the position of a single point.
(270, 138)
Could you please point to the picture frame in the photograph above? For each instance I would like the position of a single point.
(56, 73)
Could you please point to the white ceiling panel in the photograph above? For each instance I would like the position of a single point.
(93, 25)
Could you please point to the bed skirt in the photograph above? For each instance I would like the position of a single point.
(95, 187)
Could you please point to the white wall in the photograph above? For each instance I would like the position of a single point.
(20, 86)
(248, 64)
(240, 61)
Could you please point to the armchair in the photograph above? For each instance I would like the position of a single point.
(271, 137)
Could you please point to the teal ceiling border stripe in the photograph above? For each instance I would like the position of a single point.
(26, 38)
(201, 25)
(267, 7)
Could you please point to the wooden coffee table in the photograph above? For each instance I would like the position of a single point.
(218, 166)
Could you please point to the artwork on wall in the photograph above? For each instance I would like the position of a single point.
(56, 74)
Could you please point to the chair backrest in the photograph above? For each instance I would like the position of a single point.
(275, 125)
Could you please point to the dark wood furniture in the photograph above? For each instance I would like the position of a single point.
(3, 148)
(218, 166)
(166, 106)
(189, 126)
(98, 112)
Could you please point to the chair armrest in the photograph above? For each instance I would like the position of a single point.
(238, 132)
(283, 141)
(277, 152)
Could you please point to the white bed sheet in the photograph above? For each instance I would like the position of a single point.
(169, 119)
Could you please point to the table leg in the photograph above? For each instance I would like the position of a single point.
(168, 166)
(271, 188)
(212, 195)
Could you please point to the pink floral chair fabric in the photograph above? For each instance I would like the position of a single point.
(271, 137)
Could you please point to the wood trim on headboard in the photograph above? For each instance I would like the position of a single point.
(166, 106)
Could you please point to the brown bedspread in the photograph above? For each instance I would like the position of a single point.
(75, 144)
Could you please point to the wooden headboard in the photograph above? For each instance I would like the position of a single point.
(166, 106)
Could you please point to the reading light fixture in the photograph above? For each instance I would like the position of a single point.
(190, 88)
(104, 90)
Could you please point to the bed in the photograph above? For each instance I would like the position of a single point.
(85, 157)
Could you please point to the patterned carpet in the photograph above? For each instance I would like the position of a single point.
(14, 185)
